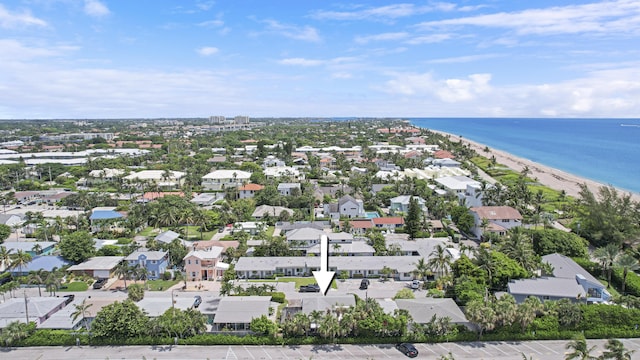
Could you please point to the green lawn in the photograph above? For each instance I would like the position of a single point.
(160, 285)
(298, 280)
(74, 286)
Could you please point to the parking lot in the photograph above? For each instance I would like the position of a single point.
(539, 350)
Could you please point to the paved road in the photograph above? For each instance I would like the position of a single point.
(539, 350)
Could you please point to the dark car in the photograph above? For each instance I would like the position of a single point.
(407, 349)
(99, 283)
(310, 288)
(364, 284)
(197, 300)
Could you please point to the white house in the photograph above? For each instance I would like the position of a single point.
(163, 178)
(282, 171)
(347, 206)
(288, 189)
(221, 179)
(400, 204)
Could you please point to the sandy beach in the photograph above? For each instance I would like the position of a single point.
(548, 176)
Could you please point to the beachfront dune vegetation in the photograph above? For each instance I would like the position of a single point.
(607, 221)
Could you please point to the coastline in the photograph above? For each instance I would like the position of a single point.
(546, 175)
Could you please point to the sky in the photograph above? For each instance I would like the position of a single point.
(309, 58)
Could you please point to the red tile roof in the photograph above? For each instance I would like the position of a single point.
(359, 224)
(157, 195)
(392, 220)
(497, 212)
(443, 154)
(251, 187)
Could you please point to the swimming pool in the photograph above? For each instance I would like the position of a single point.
(371, 214)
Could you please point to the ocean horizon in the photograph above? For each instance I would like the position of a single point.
(603, 150)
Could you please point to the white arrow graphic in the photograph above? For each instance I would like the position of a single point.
(324, 277)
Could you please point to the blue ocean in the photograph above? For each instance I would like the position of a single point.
(604, 150)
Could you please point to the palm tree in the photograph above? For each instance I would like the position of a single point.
(579, 350)
(52, 282)
(5, 257)
(519, 248)
(19, 260)
(440, 260)
(608, 257)
(81, 310)
(37, 277)
(485, 261)
(36, 248)
(122, 270)
(616, 351)
(627, 263)
(422, 269)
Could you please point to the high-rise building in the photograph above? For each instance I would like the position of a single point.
(217, 119)
(241, 119)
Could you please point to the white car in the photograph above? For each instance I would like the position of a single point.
(415, 284)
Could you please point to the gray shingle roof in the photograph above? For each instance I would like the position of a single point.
(564, 267)
(422, 310)
(546, 286)
(241, 309)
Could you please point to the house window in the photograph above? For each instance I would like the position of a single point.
(193, 274)
(546, 297)
(189, 261)
(153, 261)
(197, 261)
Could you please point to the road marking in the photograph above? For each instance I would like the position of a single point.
(230, 352)
(514, 348)
(385, 354)
(265, 351)
(363, 350)
(523, 344)
(247, 350)
(283, 353)
(428, 348)
(546, 347)
(347, 350)
(497, 347)
(463, 349)
(480, 346)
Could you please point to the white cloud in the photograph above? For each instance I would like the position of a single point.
(9, 20)
(622, 16)
(301, 62)
(304, 33)
(463, 59)
(212, 23)
(387, 12)
(342, 75)
(429, 39)
(447, 90)
(393, 36)
(15, 51)
(207, 50)
(95, 8)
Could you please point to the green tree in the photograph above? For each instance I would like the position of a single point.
(135, 292)
(263, 326)
(579, 349)
(77, 246)
(19, 260)
(404, 294)
(481, 314)
(81, 310)
(15, 331)
(627, 263)
(616, 351)
(5, 232)
(120, 320)
(413, 219)
(440, 260)
(180, 323)
(422, 269)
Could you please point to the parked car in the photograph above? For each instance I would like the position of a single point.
(197, 300)
(364, 284)
(99, 283)
(407, 349)
(310, 288)
(415, 284)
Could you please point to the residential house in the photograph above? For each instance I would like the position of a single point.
(219, 180)
(389, 223)
(499, 219)
(422, 310)
(33, 248)
(99, 267)
(236, 312)
(106, 219)
(249, 190)
(37, 263)
(250, 227)
(36, 309)
(155, 195)
(206, 199)
(105, 175)
(400, 204)
(165, 179)
(303, 237)
(205, 264)
(355, 266)
(569, 281)
(289, 189)
(155, 262)
(272, 161)
(277, 172)
(273, 212)
(347, 207)
(356, 226)
(11, 219)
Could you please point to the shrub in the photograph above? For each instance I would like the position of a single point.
(135, 292)
(278, 297)
(167, 275)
